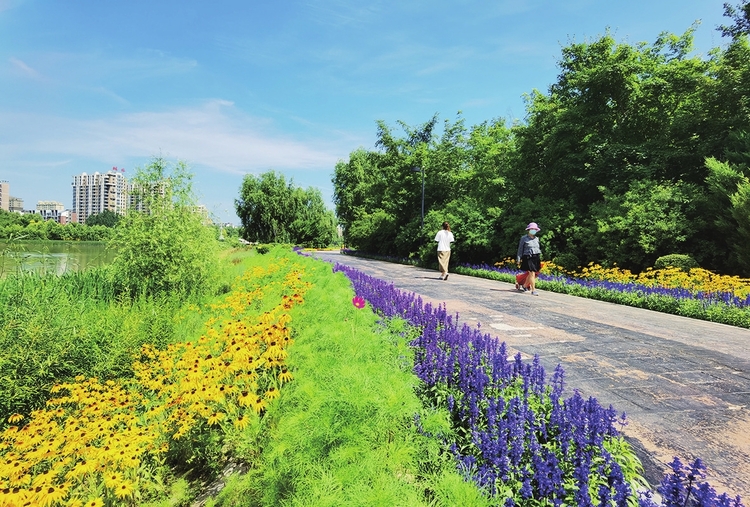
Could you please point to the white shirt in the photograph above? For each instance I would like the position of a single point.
(444, 239)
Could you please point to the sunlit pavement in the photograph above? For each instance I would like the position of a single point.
(684, 383)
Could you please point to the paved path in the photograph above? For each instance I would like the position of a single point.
(684, 383)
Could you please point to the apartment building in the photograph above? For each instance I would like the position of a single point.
(16, 204)
(4, 195)
(49, 206)
(94, 193)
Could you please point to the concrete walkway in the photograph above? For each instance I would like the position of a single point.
(683, 383)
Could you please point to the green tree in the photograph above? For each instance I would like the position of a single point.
(163, 246)
(273, 210)
(650, 220)
(727, 198)
(740, 15)
(106, 218)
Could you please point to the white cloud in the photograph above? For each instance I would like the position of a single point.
(214, 135)
(24, 68)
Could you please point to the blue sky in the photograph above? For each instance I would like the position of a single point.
(243, 87)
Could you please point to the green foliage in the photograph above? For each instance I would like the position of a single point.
(33, 227)
(373, 232)
(684, 262)
(342, 432)
(274, 211)
(54, 328)
(649, 219)
(611, 162)
(728, 201)
(567, 261)
(163, 245)
(740, 15)
(378, 195)
(741, 214)
(106, 218)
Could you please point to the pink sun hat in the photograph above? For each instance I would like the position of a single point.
(533, 225)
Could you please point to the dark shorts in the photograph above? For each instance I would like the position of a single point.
(531, 263)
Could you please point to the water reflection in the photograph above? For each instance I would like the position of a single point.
(52, 256)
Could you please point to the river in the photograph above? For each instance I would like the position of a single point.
(52, 256)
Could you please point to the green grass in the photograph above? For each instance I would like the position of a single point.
(342, 433)
(53, 328)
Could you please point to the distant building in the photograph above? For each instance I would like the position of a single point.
(5, 195)
(56, 215)
(202, 211)
(94, 193)
(16, 204)
(49, 206)
(53, 210)
(138, 197)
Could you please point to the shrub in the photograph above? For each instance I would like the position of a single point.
(567, 261)
(163, 244)
(684, 262)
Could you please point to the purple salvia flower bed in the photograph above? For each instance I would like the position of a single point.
(519, 439)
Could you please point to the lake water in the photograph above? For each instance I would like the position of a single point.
(52, 256)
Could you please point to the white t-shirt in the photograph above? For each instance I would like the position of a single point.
(444, 239)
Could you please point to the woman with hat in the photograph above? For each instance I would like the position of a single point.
(529, 257)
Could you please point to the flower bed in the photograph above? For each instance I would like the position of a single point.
(515, 435)
(669, 291)
(105, 443)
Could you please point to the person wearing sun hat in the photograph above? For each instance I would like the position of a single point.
(529, 257)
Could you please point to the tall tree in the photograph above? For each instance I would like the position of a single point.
(106, 218)
(740, 15)
(164, 246)
(273, 210)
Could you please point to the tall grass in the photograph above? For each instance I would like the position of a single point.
(53, 328)
(343, 433)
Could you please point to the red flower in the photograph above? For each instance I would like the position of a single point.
(359, 302)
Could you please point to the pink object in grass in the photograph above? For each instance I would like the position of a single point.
(359, 302)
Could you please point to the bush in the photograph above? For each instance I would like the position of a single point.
(163, 244)
(684, 262)
(567, 261)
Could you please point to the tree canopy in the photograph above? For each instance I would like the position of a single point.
(636, 151)
(273, 210)
(106, 218)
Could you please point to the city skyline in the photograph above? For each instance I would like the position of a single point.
(293, 87)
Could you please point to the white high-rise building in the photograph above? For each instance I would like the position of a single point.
(94, 193)
(5, 195)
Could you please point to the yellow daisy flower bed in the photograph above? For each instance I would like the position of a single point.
(102, 443)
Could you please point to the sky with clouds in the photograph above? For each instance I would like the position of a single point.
(234, 87)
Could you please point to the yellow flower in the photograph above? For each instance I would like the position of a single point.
(245, 398)
(272, 393)
(215, 418)
(53, 495)
(112, 480)
(15, 418)
(241, 422)
(259, 405)
(95, 502)
(285, 375)
(124, 489)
